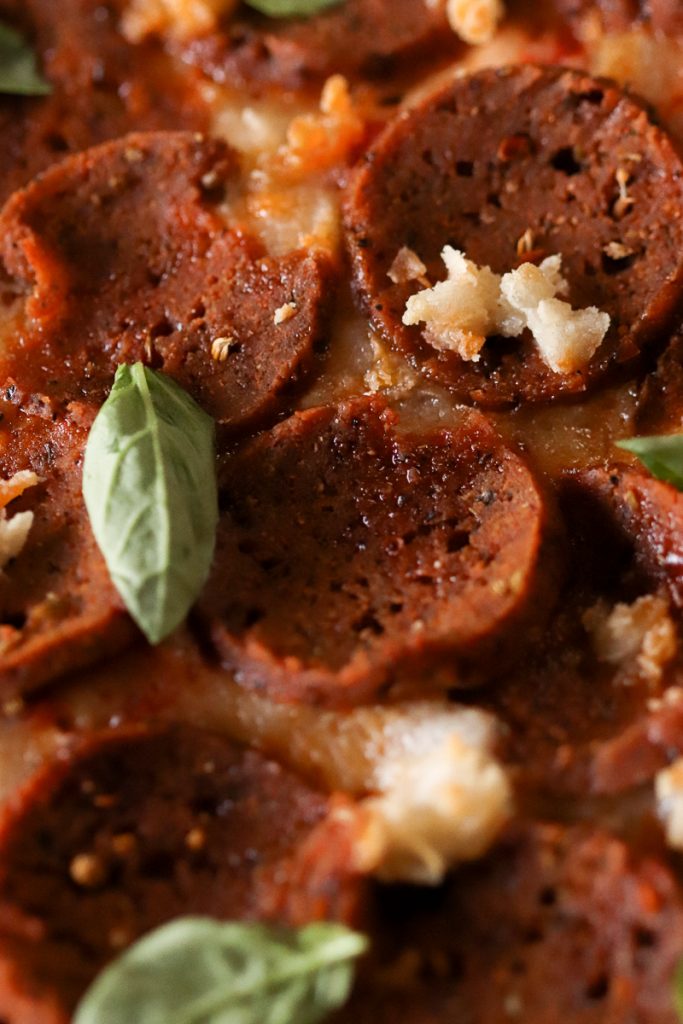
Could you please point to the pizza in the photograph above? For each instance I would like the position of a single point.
(341, 525)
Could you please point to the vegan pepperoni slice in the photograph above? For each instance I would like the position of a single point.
(127, 258)
(510, 157)
(558, 924)
(139, 827)
(351, 559)
(645, 514)
(59, 610)
(356, 37)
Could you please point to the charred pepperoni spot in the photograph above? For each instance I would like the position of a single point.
(643, 513)
(359, 37)
(557, 924)
(58, 608)
(138, 828)
(126, 257)
(566, 162)
(374, 559)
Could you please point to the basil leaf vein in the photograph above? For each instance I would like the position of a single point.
(291, 8)
(18, 73)
(199, 971)
(149, 484)
(662, 454)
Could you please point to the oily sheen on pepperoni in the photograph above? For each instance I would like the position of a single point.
(138, 828)
(127, 258)
(351, 559)
(558, 924)
(507, 151)
(356, 37)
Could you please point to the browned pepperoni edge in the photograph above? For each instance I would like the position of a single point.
(558, 924)
(58, 608)
(502, 152)
(138, 828)
(659, 408)
(128, 258)
(351, 559)
(357, 37)
(101, 87)
(645, 514)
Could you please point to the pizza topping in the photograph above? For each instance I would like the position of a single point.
(67, 885)
(663, 455)
(408, 266)
(642, 632)
(160, 279)
(149, 484)
(407, 558)
(669, 794)
(196, 966)
(18, 74)
(475, 21)
(321, 140)
(14, 532)
(474, 303)
(176, 18)
(493, 163)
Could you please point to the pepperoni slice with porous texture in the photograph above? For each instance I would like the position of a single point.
(644, 513)
(558, 924)
(516, 164)
(126, 256)
(356, 37)
(138, 828)
(351, 559)
(59, 610)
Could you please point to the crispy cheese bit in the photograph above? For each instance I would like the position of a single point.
(475, 21)
(624, 201)
(16, 485)
(284, 313)
(178, 19)
(669, 795)
(444, 798)
(641, 635)
(567, 339)
(407, 266)
(321, 140)
(387, 372)
(458, 313)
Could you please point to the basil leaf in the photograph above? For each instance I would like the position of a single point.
(663, 456)
(291, 8)
(18, 74)
(678, 990)
(149, 483)
(198, 971)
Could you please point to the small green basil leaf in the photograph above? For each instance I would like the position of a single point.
(291, 8)
(18, 74)
(149, 483)
(199, 971)
(678, 990)
(663, 456)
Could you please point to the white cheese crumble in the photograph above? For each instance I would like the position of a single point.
(179, 19)
(14, 532)
(669, 794)
(641, 634)
(473, 303)
(475, 21)
(284, 313)
(443, 796)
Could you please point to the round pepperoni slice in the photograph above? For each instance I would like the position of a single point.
(58, 608)
(646, 514)
(510, 159)
(559, 924)
(356, 37)
(127, 258)
(136, 829)
(351, 559)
